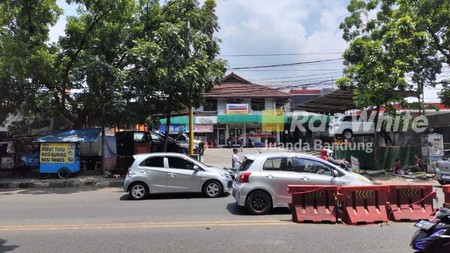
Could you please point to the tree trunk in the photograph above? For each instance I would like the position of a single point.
(168, 116)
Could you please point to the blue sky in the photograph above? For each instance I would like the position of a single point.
(263, 32)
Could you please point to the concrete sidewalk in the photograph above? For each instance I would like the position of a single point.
(80, 181)
(218, 157)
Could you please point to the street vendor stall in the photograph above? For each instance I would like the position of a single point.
(59, 151)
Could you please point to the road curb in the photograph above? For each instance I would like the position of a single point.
(59, 183)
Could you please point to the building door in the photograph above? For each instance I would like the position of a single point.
(235, 133)
(221, 136)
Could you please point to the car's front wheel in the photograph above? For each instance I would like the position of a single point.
(212, 189)
(347, 134)
(138, 191)
(258, 202)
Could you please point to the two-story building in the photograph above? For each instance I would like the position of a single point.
(235, 109)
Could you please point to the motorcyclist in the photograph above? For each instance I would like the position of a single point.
(324, 154)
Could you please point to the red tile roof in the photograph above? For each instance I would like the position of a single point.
(305, 92)
(234, 86)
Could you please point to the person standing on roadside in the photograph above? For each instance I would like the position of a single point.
(241, 142)
(235, 162)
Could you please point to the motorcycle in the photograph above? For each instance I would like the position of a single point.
(433, 234)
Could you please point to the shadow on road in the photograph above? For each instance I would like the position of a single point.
(6, 248)
(43, 191)
(172, 196)
(234, 209)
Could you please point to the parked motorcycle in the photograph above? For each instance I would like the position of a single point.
(433, 234)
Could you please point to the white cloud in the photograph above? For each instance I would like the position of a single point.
(275, 27)
(281, 27)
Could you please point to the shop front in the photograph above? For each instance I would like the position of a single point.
(228, 129)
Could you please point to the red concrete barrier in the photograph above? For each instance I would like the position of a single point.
(410, 202)
(314, 203)
(364, 204)
(446, 191)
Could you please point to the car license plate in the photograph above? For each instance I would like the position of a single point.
(445, 176)
(424, 224)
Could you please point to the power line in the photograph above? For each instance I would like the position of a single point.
(287, 54)
(289, 77)
(284, 65)
(287, 70)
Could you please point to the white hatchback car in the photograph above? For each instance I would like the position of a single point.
(348, 126)
(174, 173)
(262, 179)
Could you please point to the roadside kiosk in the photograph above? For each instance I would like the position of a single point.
(59, 152)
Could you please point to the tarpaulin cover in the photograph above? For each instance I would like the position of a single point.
(74, 135)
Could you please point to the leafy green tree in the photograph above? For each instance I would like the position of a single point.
(121, 61)
(93, 60)
(387, 43)
(81, 77)
(176, 59)
(25, 56)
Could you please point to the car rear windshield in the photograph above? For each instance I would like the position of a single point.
(245, 164)
(446, 156)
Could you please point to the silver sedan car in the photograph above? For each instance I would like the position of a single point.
(262, 179)
(174, 173)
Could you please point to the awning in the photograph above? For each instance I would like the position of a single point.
(338, 101)
(178, 120)
(75, 135)
(239, 118)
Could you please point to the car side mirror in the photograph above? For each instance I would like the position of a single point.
(196, 168)
(334, 173)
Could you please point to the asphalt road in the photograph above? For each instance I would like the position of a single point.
(105, 220)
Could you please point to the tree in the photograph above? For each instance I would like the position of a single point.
(24, 58)
(176, 59)
(386, 43)
(77, 77)
(93, 57)
(119, 62)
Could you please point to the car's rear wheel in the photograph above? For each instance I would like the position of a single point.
(258, 202)
(348, 134)
(138, 191)
(212, 189)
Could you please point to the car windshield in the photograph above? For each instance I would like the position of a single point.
(245, 164)
(446, 155)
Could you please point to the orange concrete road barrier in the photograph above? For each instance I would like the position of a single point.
(364, 204)
(410, 202)
(314, 203)
(446, 191)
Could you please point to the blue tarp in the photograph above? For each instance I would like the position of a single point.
(75, 135)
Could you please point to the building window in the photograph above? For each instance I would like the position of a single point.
(258, 104)
(210, 105)
(279, 105)
(234, 101)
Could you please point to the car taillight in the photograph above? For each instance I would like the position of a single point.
(244, 178)
(129, 172)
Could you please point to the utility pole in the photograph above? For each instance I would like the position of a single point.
(191, 131)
